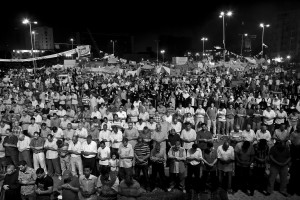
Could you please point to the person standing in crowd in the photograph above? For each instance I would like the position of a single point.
(32, 128)
(27, 178)
(188, 136)
(177, 156)
(126, 155)
(53, 164)
(199, 117)
(43, 185)
(248, 134)
(295, 162)
(203, 137)
(81, 132)
(68, 133)
(263, 133)
(210, 159)
(244, 154)
(89, 152)
(257, 117)
(37, 146)
(104, 136)
(269, 115)
(103, 155)
(158, 158)
(211, 114)
(116, 138)
(64, 155)
(141, 155)
(24, 149)
(261, 152)
(69, 185)
(279, 162)
(193, 158)
(11, 151)
(87, 185)
(221, 116)
(230, 114)
(131, 134)
(75, 149)
(11, 184)
(225, 164)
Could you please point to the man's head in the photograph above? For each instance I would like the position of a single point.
(87, 170)
(102, 144)
(69, 126)
(125, 142)
(263, 128)
(32, 120)
(248, 127)
(282, 127)
(130, 125)
(75, 139)
(50, 137)
(40, 173)
(22, 165)
(177, 145)
(89, 139)
(225, 145)
(188, 126)
(21, 137)
(237, 128)
(10, 169)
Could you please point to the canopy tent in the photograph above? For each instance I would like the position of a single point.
(147, 67)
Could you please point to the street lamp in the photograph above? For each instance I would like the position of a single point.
(163, 54)
(203, 40)
(222, 15)
(288, 57)
(262, 38)
(113, 42)
(242, 44)
(72, 41)
(27, 21)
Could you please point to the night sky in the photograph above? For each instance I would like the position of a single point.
(145, 20)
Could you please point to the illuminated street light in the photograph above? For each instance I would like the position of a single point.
(163, 54)
(27, 21)
(203, 39)
(222, 15)
(288, 57)
(262, 38)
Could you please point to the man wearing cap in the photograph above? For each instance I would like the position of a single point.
(69, 186)
(26, 179)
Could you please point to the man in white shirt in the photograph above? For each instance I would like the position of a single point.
(24, 149)
(176, 125)
(81, 132)
(193, 157)
(103, 155)
(96, 113)
(33, 127)
(269, 116)
(188, 136)
(122, 114)
(116, 138)
(64, 122)
(89, 152)
(75, 150)
(263, 133)
(52, 156)
(57, 133)
(126, 154)
(221, 115)
(248, 134)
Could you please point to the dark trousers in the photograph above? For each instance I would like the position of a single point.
(294, 186)
(242, 178)
(53, 165)
(211, 178)
(123, 171)
(27, 156)
(144, 169)
(13, 159)
(191, 183)
(90, 162)
(158, 168)
(259, 178)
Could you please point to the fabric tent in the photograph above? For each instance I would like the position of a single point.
(147, 67)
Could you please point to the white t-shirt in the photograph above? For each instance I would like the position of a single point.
(104, 153)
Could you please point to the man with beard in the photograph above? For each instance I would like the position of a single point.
(44, 185)
(27, 178)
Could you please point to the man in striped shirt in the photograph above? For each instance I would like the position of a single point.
(141, 155)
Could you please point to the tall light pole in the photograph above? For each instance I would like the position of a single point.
(222, 15)
(113, 42)
(26, 21)
(262, 37)
(242, 44)
(72, 42)
(163, 55)
(203, 39)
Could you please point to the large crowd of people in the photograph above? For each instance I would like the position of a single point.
(97, 134)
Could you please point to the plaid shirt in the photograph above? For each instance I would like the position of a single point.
(17, 130)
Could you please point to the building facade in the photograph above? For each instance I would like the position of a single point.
(285, 35)
(43, 38)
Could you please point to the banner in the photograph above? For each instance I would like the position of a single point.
(179, 60)
(83, 50)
